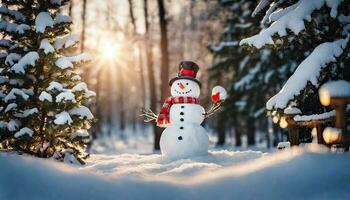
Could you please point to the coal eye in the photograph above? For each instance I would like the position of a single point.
(186, 83)
(178, 83)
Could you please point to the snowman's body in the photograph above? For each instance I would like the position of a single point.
(185, 137)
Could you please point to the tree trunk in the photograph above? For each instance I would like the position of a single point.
(164, 51)
(139, 46)
(70, 9)
(150, 71)
(250, 131)
(120, 101)
(238, 133)
(220, 128)
(83, 30)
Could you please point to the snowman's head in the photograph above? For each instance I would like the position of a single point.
(185, 88)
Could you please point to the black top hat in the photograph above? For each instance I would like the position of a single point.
(187, 70)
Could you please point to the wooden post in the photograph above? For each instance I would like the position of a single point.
(293, 135)
(319, 130)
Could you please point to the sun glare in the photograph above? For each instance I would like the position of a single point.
(110, 52)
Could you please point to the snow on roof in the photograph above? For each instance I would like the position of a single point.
(326, 115)
(29, 59)
(82, 112)
(339, 88)
(63, 118)
(308, 70)
(42, 21)
(293, 20)
(24, 131)
(46, 46)
(292, 111)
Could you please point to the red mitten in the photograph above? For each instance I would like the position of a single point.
(218, 94)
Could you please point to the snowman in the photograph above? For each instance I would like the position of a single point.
(182, 115)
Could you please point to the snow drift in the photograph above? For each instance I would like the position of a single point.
(299, 173)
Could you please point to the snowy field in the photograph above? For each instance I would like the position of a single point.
(300, 173)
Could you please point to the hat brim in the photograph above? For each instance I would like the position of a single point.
(185, 77)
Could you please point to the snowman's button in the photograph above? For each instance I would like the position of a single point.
(179, 138)
(182, 113)
(181, 127)
(182, 119)
(182, 106)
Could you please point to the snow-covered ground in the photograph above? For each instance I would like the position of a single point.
(308, 172)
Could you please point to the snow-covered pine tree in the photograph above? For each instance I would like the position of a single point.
(321, 28)
(42, 99)
(251, 76)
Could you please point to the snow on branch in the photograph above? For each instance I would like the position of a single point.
(308, 70)
(59, 18)
(16, 92)
(293, 20)
(46, 46)
(12, 58)
(29, 59)
(13, 27)
(262, 4)
(42, 21)
(13, 13)
(66, 41)
(82, 112)
(63, 118)
(24, 131)
(67, 62)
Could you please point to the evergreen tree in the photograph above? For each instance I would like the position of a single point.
(43, 102)
(316, 34)
(251, 76)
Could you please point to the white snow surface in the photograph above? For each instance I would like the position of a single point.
(29, 59)
(325, 115)
(42, 21)
(46, 46)
(292, 110)
(335, 89)
(293, 20)
(308, 70)
(289, 174)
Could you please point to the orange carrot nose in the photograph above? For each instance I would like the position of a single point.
(181, 86)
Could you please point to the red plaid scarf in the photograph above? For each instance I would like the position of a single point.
(163, 118)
